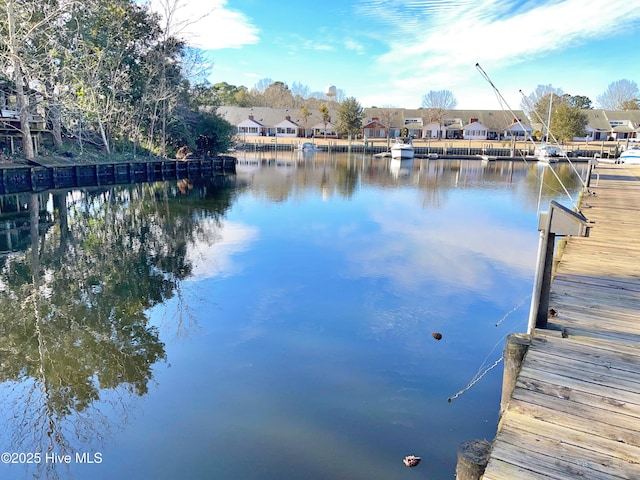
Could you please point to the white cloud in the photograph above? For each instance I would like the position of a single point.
(214, 257)
(441, 42)
(464, 256)
(354, 46)
(211, 25)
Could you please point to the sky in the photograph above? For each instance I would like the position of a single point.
(391, 53)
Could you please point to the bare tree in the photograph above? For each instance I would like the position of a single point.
(437, 103)
(262, 84)
(537, 98)
(298, 89)
(618, 94)
(14, 45)
(26, 42)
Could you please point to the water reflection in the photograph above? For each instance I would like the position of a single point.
(77, 346)
(294, 302)
(283, 175)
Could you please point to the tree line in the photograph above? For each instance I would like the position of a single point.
(109, 73)
(114, 74)
(563, 114)
(555, 110)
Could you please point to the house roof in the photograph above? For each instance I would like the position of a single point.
(518, 127)
(597, 120)
(270, 117)
(287, 123)
(492, 120)
(321, 126)
(475, 126)
(247, 122)
(632, 116)
(374, 124)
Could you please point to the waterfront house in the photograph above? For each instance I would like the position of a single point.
(452, 129)
(597, 126)
(250, 127)
(374, 129)
(271, 121)
(322, 130)
(474, 130)
(431, 129)
(476, 125)
(286, 128)
(623, 125)
(413, 127)
(518, 130)
(611, 125)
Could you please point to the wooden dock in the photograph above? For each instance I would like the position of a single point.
(575, 409)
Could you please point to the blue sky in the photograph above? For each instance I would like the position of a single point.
(390, 53)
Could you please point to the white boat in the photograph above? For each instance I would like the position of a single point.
(402, 149)
(548, 153)
(631, 156)
(308, 147)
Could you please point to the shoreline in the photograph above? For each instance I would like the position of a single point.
(605, 149)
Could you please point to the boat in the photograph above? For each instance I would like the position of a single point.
(402, 149)
(548, 153)
(631, 156)
(308, 147)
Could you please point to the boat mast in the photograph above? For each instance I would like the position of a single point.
(549, 118)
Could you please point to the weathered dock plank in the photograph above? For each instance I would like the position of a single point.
(575, 409)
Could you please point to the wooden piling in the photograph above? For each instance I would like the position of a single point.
(472, 459)
(514, 351)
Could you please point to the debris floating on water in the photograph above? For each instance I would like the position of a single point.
(437, 335)
(411, 461)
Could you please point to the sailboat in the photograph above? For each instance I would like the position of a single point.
(548, 153)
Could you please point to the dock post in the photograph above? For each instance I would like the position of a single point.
(559, 220)
(514, 351)
(472, 459)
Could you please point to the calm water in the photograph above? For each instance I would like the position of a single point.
(272, 325)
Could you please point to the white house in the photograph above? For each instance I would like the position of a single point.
(322, 130)
(518, 130)
(475, 131)
(430, 130)
(250, 127)
(286, 128)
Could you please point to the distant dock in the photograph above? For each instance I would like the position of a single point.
(574, 412)
(421, 152)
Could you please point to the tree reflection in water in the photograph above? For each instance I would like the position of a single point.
(76, 345)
